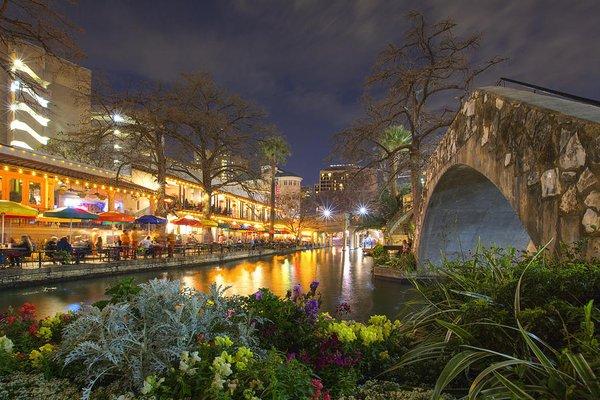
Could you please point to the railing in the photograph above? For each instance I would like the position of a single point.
(21, 258)
(552, 92)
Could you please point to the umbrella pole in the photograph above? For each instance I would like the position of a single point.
(70, 230)
(2, 227)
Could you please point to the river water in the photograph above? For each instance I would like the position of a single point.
(343, 277)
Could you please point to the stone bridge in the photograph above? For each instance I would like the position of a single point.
(514, 169)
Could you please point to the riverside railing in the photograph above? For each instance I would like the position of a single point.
(21, 258)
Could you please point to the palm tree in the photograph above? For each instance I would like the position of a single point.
(396, 140)
(275, 151)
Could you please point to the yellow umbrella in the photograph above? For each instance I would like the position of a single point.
(209, 223)
(12, 209)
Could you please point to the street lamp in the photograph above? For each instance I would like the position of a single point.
(362, 210)
(326, 213)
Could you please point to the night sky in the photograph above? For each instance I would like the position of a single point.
(305, 61)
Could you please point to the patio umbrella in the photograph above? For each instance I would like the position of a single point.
(113, 216)
(150, 220)
(70, 213)
(209, 223)
(189, 221)
(12, 209)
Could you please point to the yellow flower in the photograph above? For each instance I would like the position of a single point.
(343, 331)
(223, 341)
(47, 348)
(36, 358)
(44, 333)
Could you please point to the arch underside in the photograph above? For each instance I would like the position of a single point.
(466, 210)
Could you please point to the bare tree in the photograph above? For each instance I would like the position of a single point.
(415, 85)
(219, 132)
(126, 129)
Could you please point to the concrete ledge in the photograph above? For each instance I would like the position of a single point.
(11, 278)
(400, 276)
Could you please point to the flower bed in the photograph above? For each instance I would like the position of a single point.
(160, 341)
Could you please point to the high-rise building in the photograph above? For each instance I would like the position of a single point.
(335, 177)
(45, 95)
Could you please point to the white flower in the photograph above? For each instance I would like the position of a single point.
(195, 357)
(183, 366)
(147, 388)
(218, 381)
(6, 344)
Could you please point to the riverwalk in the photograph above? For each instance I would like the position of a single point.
(48, 272)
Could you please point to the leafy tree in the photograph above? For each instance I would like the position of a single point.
(275, 151)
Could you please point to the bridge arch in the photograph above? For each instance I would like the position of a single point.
(534, 159)
(466, 209)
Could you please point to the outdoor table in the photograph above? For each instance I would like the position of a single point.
(14, 252)
(80, 252)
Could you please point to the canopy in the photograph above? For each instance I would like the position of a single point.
(70, 213)
(151, 219)
(189, 221)
(209, 223)
(223, 225)
(113, 216)
(12, 209)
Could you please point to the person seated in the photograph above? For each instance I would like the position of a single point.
(51, 248)
(147, 245)
(25, 248)
(64, 249)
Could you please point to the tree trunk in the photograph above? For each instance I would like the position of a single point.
(415, 176)
(393, 178)
(272, 203)
(208, 236)
(161, 177)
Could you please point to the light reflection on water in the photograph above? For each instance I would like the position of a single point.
(343, 276)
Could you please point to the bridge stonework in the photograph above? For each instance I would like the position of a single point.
(542, 154)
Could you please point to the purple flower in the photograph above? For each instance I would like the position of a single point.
(230, 313)
(314, 285)
(311, 308)
(297, 292)
(258, 295)
(290, 357)
(343, 309)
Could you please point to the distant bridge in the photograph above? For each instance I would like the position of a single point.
(516, 169)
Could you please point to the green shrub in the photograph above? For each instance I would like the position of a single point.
(29, 386)
(382, 390)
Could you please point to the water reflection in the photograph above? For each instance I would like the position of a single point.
(343, 276)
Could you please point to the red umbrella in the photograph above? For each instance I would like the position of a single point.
(189, 221)
(113, 216)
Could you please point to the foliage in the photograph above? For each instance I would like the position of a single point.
(125, 342)
(470, 337)
(400, 261)
(382, 390)
(125, 290)
(543, 373)
(28, 386)
(224, 370)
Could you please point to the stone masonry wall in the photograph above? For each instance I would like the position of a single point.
(542, 153)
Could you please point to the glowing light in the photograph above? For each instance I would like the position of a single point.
(326, 213)
(23, 145)
(24, 107)
(22, 126)
(19, 65)
(118, 118)
(117, 147)
(362, 210)
(16, 85)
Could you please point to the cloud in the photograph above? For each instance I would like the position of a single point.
(306, 60)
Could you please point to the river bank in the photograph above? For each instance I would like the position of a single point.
(21, 277)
